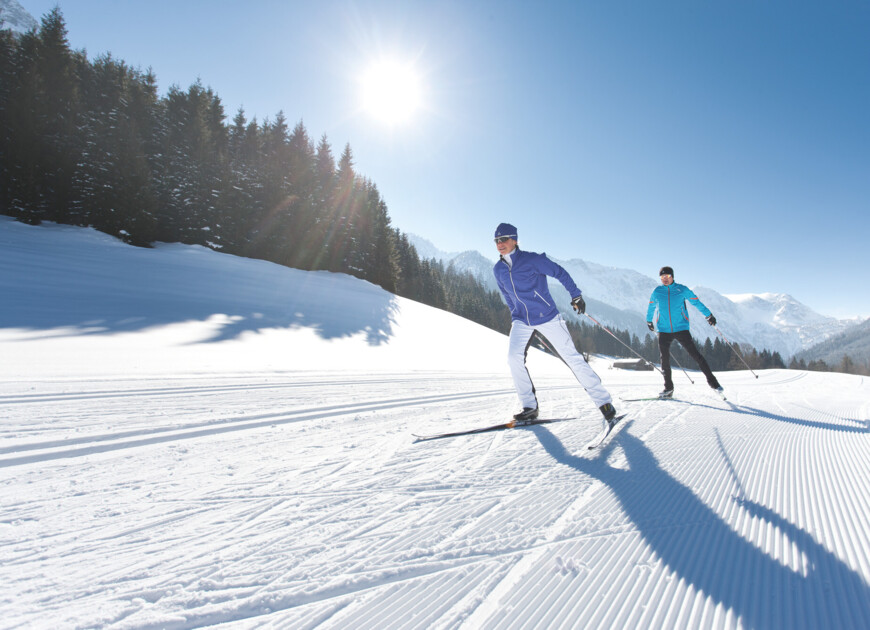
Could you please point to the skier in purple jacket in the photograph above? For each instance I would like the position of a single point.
(669, 301)
(522, 279)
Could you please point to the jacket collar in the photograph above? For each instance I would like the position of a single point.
(512, 256)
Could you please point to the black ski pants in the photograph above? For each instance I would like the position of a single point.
(685, 339)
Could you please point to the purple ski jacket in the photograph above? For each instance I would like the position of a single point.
(524, 286)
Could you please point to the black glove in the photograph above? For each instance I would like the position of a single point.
(711, 320)
(579, 305)
(650, 326)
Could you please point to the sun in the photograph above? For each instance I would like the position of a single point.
(391, 91)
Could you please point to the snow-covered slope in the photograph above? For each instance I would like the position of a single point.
(15, 18)
(619, 297)
(190, 439)
(78, 291)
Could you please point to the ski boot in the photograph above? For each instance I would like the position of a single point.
(609, 413)
(527, 414)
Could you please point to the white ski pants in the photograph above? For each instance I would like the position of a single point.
(556, 334)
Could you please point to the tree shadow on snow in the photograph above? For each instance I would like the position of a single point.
(701, 549)
(331, 305)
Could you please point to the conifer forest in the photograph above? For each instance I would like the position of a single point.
(92, 143)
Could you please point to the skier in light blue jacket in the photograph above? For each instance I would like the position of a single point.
(522, 279)
(667, 305)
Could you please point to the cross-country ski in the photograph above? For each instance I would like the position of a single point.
(512, 424)
(188, 472)
(611, 428)
(719, 392)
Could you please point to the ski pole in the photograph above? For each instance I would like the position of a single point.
(683, 369)
(680, 365)
(547, 345)
(733, 347)
(624, 344)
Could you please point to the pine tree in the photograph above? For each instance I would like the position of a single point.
(318, 231)
(410, 268)
(240, 200)
(56, 114)
(7, 79)
(113, 182)
(381, 267)
(22, 185)
(341, 241)
(194, 154)
(301, 211)
(275, 194)
(776, 361)
(846, 365)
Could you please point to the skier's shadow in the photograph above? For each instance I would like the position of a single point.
(860, 426)
(704, 551)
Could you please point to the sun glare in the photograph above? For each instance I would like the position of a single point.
(391, 91)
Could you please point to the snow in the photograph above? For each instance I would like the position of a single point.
(771, 321)
(15, 17)
(192, 439)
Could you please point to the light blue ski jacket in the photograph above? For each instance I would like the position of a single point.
(524, 286)
(670, 302)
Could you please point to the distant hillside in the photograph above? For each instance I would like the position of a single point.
(854, 342)
(15, 18)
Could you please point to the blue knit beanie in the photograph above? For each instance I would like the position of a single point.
(506, 229)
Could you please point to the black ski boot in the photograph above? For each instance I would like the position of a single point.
(528, 413)
(609, 412)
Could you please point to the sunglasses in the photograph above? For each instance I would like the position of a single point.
(504, 239)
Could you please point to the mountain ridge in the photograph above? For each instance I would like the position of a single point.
(16, 18)
(619, 297)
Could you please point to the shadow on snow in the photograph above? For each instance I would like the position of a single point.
(700, 548)
(79, 291)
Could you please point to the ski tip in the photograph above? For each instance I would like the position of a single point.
(606, 437)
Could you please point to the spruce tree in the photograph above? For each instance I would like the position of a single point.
(340, 241)
(22, 135)
(300, 211)
(56, 112)
(113, 182)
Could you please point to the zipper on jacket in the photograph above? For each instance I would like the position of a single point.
(516, 295)
(528, 317)
(542, 298)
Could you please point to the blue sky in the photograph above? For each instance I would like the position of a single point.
(730, 141)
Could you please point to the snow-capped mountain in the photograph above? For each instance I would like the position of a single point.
(619, 298)
(853, 342)
(15, 18)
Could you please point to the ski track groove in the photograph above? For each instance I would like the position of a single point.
(89, 445)
(65, 397)
(430, 523)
